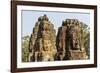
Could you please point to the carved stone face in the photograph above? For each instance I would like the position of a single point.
(46, 45)
(46, 35)
(76, 37)
(73, 34)
(76, 44)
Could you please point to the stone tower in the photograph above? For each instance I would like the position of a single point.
(42, 45)
(69, 41)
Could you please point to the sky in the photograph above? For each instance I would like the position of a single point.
(30, 17)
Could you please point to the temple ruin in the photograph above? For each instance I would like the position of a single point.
(68, 44)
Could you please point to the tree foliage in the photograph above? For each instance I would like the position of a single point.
(25, 50)
(86, 37)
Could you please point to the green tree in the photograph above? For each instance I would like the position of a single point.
(86, 37)
(25, 50)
